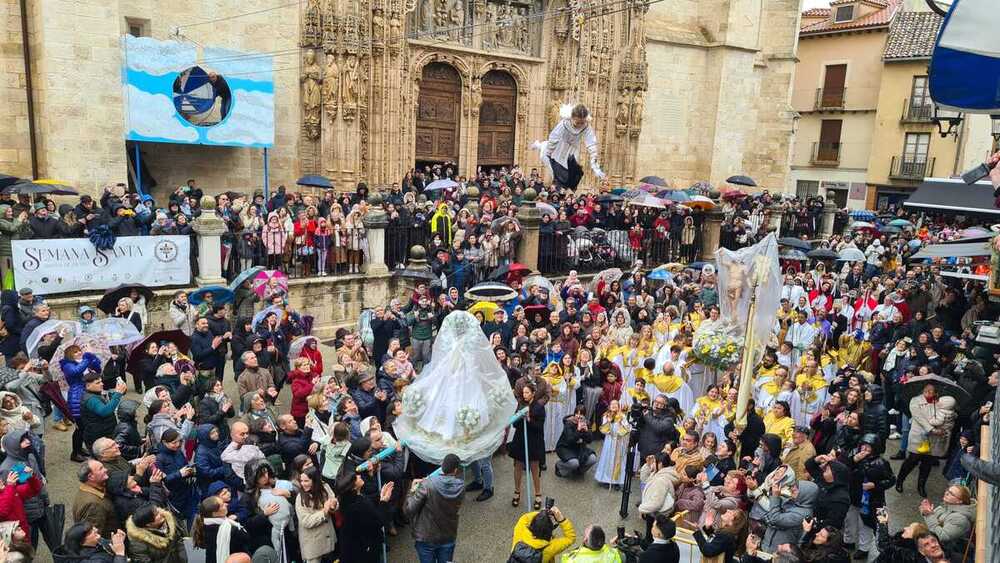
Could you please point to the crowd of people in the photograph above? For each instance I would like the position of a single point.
(604, 367)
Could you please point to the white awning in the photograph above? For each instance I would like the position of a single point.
(966, 249)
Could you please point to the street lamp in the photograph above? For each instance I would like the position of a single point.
(943, 117)
(995, 127)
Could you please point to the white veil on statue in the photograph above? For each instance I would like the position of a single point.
(462, 401)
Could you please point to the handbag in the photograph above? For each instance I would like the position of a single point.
(924, 447)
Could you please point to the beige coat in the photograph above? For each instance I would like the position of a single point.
(796, 459)
(316, 534)
(932, 422)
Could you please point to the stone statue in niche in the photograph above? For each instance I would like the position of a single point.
(524, 32)
(395, 34)
(622, 114)
(477, 97)
(378, 27)
(489, 39)
(505, 27)
(350, 86)
(456, 19)
(594, 63)
(638, 107)
(427, 15)
(552, 116)
(331, 83)
(312, 76)
(440, 15)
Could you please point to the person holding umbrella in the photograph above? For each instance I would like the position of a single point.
(75, 365)
(932, 418)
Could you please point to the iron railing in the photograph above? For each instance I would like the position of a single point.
(830, 98)
(592, 250)
(302, 256)
(825, 153)
(909, 167)
(917, 110)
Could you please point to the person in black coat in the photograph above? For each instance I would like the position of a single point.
(723, 537)
(215, 408)
(751, 435)
(875, 419)
(177, 473)
(149, 361)
(205, 532)
(293, 441)
(83, 545)
(834, 500)
(535, 440)
(208, 459)
(575, 457)
(361, 536)
(871, 476)
(822, 543)
(663, 549)
(205, 348)
(658, 427)
(219, 325)
(128, 495)
(385, 325)
(126, 434)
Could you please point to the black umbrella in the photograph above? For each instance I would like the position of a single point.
(109, 302)
(491, 291)
(501, 271)
(6, 180)
(181, 340)
(823, 254)
(741, 180)
(315, 181)
(32, 188)
(795, 243)
(945, 388)
(654, 180)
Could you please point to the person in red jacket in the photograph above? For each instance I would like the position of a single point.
(302, 382)
(311, 350)
(13, 494)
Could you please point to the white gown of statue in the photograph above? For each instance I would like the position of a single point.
(461, 402)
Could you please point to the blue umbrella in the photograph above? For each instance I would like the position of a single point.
(259, 317)
(902, 223)
(315, 181)
(863, 215)
(678, 196)
(220, 295)
(914, 244)
(245, 275)
(660, 274)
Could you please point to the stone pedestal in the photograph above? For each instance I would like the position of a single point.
(711, 231)
(826, 220)
(529, 216)
(209, 229)
(375, 222)
(775, 214)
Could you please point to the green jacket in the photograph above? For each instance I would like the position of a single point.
(422, 321)
(606, 554)
(10, 229)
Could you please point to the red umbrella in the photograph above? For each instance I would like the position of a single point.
(734, 194)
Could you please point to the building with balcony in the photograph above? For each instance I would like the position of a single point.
(906, 144)
(836, 94)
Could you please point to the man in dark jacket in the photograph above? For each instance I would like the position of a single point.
(432, 506)
(43, 225)
(205, 349)
(575, 458)
(834, 498)
(40, 314)
(385, 324)
(658, 427)
(875, 418)
(871, 476)
(208, 460)
(219, 325)
(749, 439)
(293, 441)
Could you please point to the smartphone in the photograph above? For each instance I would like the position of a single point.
(549, 503)
(620, 532)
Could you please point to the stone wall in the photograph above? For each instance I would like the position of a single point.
(720, 77)
(334, 302)
(15, 148)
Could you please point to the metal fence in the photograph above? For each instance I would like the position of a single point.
(297, 256)
(593, 250)
(480, 260)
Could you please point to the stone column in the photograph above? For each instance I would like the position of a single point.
(775, 214)
(375, 222)
(209, 229)
(826, 220)
(472, 200)
(529, 217)
(711, 230)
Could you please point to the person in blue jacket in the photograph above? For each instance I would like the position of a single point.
(75, 364)
(178, 474)
(208, 459)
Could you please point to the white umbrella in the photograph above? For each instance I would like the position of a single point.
(71, 328)
(852, 255)
(96, 344)
(442, 184)
(117, 331)
(547, 209)
(295, 348)
(644, 199)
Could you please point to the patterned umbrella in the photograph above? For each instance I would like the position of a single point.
(863, 215)
(220, 295)
(700, 202)
(262, 280)
(71, 328)
(96, 344)
(117, 331)
(655, 180)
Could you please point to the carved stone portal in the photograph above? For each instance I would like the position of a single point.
(388, 83)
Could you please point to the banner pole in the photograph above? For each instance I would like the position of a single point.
(138, 169)
(527, 462)
(267, 178)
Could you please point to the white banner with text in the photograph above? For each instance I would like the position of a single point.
(75, 264)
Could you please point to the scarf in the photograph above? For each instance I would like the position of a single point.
(223, 538)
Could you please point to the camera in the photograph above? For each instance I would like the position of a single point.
(549, 503)
(635, 415)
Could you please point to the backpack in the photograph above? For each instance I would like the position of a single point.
(524, 553)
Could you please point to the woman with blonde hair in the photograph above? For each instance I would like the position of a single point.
(357, 243)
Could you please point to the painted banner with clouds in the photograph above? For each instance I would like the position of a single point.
(182, 93)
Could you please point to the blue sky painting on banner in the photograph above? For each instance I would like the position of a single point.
(179, 93)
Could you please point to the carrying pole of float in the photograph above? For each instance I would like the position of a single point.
(747, 361)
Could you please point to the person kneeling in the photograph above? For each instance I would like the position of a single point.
(575, 457)
(594, 549)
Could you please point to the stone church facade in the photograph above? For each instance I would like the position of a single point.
(364, 89)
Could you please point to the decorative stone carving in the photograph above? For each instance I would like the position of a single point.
(378, 29)
(638, 107)
(349, 87)
(331, 85)
(312, 25)
(622, 115)
(476, 98)
(552, 115)
(311, 95)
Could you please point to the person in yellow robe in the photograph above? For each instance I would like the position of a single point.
(669, 383)
(778, 421)
(707, 406)
(855, 351)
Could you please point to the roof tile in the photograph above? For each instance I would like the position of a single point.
(879, 18)
(912, 36)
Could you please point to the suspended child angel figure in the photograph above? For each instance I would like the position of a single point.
(561, 153)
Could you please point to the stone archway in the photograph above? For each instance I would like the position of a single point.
(497, 119)
(439, 107)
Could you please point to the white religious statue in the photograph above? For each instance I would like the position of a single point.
(461, 401)
(561, 153)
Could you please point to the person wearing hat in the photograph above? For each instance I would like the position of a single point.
(432, 506)
(43, 225)
(798, 451)
(370, 399)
